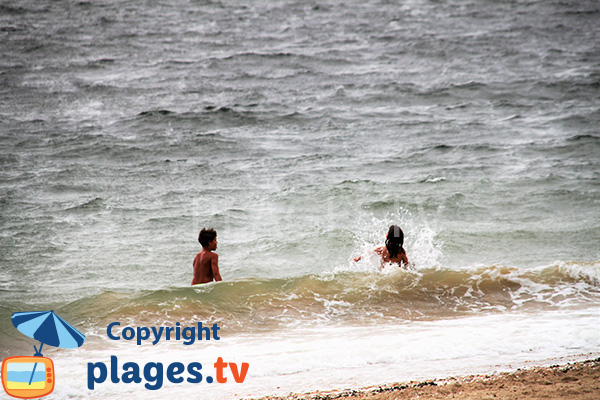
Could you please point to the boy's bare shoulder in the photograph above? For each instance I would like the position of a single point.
(204, 256)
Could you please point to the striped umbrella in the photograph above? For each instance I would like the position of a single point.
(48, 328)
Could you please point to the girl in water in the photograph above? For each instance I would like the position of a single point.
(393, 250)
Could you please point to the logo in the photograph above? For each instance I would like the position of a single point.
(29, 377)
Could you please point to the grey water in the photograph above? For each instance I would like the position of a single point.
(299, 130)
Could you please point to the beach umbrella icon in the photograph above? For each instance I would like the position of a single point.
(48, 328)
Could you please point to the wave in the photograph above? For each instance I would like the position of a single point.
(90, 205)
(591, 139)
(258, 55)
(8, 10)
(474, 147)
(353, 295)
(209, 118)
(348, 295)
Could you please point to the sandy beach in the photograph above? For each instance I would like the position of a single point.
(573, 381)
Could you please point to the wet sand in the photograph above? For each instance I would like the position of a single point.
(572, 381)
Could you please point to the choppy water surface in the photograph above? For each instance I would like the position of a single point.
(301, 131)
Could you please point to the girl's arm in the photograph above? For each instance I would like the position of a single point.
(404, 260)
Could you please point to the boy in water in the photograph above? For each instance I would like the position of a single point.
(206, 263)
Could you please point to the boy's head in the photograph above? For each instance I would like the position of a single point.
(206, 236)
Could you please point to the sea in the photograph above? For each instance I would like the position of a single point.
(300, 131)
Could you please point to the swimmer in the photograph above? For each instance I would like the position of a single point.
(393, 250)
(206, 263)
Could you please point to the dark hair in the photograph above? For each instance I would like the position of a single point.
(206, 236)
(394, 241)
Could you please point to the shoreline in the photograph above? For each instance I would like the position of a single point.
(574, 381)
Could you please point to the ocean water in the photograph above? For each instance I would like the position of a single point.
(300, 130)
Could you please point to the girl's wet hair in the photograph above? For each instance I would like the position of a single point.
(395, 241)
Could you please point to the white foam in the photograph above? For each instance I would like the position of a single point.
(589, 271)
(303, 359)
(423, 248)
